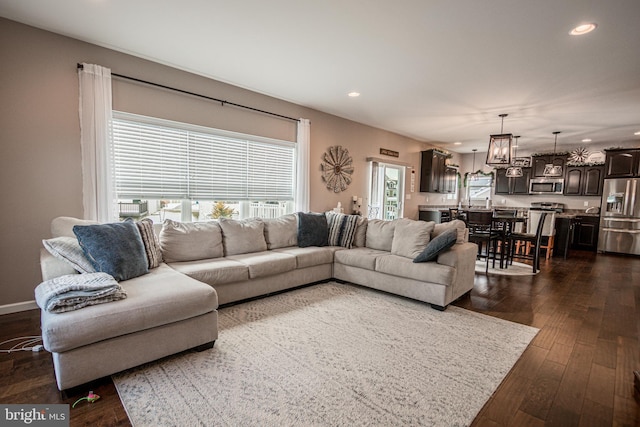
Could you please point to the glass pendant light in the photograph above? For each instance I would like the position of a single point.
(514, 171)
(499, 153)
(550, 169)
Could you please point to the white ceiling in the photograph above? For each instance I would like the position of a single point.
(436, 70)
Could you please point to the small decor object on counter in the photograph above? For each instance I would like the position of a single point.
(337, 168)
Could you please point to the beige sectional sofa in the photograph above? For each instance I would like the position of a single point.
(174, 306)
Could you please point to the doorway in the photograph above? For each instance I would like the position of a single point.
(386, 191)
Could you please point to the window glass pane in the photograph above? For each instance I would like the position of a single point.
(182, 171)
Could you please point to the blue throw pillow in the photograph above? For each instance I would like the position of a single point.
(438, 244)
(313, 229)
(115, 249)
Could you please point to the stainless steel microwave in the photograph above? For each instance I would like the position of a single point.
(546, 185)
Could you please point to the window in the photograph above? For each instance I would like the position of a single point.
(479, 188)
(191, 173)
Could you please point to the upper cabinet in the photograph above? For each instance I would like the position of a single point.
(435, 175)
(513, 185)
(622, 163)
(538, 163)
(583, 180)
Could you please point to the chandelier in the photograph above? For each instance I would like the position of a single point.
(499, 153)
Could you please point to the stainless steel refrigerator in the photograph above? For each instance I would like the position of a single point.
(620, 216)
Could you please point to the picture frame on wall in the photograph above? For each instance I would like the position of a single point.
(523, 162)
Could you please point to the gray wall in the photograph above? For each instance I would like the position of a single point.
(40, 137)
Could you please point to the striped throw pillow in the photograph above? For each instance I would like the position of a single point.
(342, 228)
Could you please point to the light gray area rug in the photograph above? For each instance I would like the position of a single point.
(515, 269)
(330, 354)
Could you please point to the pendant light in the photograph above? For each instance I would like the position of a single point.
(474, 175)
(550, 169)
(499, 153)
(514, 171)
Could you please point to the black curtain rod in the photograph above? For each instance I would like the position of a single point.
(221, 101)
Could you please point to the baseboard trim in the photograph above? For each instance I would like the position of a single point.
(17, 307)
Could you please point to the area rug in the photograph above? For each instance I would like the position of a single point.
(515, 269)
(330, 354)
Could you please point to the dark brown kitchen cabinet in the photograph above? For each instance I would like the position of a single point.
(514, 185)
(585, 233)
(583, 180)
(435, 175)
(622, 163)
(538, 163)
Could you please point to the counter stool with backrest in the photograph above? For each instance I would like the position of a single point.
(531, 240)
(481, 232)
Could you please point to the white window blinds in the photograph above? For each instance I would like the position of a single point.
(159, 159)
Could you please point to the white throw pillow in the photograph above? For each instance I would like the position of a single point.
(68, 249)
(411, 237)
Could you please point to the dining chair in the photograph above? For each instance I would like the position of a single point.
(532, 240)
(455, 213)
(481, 232)
(548, 231)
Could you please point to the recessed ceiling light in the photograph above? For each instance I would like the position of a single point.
(586, 140)
(583, 29)
(457, 143)
(354, 94)
(637, 133)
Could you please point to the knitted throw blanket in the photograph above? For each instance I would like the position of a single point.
(74, 291)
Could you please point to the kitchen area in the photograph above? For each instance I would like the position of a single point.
(595, 200)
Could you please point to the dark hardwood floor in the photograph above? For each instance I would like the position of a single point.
(578, 371)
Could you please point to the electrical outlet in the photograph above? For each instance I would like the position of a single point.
(504, 201)
(408, 196)
(586, 204)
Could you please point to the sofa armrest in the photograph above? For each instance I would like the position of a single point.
(459, 253)
(52, 267)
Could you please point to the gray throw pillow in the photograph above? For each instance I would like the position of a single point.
(115, 249)
(313, 229)
(438, 244)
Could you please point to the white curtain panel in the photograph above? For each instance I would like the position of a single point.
(97, 160)
(302, 167)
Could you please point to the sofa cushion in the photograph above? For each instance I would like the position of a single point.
(457, 224)
(266, 263)
(63, 225)
(360, 237)
(438, 244)
(311, 256)
(150, 241)
(68, 249)
(281, 232)
(410, 237)
(242, 236)
(183, 241)
(151, 301)
(214, 271)
(342, 229)
(380, 234)
(313, 229)
(359, 257)
(424, 272)
(115, 249)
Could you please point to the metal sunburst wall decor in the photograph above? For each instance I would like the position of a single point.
(337, 168)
